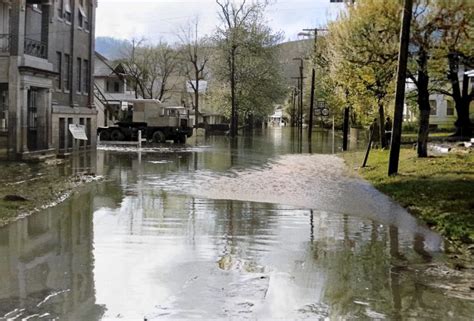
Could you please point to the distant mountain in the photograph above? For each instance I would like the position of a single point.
(111, 48)
(290, 50)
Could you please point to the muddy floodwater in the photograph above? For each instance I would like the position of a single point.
(260, 228)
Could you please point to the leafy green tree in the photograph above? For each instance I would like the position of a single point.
(246, 63)
(423, 40)
(363, 54)
(455, 55)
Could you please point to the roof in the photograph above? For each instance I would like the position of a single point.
(119, 97)
(106, 68)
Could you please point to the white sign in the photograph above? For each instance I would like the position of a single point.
(191, 84)
(78, 131)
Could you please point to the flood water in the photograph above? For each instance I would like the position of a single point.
(257, 228)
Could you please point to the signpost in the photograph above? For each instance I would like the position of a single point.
(78, 131)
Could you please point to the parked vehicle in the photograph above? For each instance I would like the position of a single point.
(157, 123)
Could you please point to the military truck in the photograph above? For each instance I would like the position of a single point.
(157, 123)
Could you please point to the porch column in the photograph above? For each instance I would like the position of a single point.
(15, 92)
(23, 143)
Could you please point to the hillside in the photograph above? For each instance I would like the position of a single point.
(111, 48)
(290, 50)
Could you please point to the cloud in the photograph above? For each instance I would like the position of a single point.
(157, 20)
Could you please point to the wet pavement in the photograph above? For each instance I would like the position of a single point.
(259, 228)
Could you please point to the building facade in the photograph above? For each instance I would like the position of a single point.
(112, 93)
(46, 58)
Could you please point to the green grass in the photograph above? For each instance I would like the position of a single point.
(439, 190)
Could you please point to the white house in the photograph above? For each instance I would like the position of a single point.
(112, 95)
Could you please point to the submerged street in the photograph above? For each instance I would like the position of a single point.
(257, 228)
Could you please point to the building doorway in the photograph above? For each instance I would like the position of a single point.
(32, 119)
(3, 108)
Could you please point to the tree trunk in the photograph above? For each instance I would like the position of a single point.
(463, 123)
(462, 101)
(233, 118)
(423, 105)
(383, 141)
(196, 96)
(423, 132)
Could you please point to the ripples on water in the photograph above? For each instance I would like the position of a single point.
(225, 233)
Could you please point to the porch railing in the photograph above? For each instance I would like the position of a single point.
(36, 48)
(4, 43)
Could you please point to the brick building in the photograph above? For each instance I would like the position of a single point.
(46, 58)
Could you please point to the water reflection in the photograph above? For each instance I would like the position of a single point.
(46, 265)
(137, 245)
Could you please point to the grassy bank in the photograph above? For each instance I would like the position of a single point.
(25, 188)
(439, 190)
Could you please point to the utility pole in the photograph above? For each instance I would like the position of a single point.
(293, 113)
(307, 32)
(400, 93)
(311, 105)
(345, 128)
(300, 100)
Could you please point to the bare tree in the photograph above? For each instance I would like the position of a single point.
(150, 68)
(196, 55)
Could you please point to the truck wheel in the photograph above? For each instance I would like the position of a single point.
(104, 135)
(116, 135)
(159, 137)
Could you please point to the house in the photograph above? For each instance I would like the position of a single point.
(46, 58)
(277, 119)
(112, 93)
(443, 110)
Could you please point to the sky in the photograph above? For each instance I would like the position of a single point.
(161, 20)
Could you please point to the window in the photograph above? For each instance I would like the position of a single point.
(87, 75)
(82, 15)
(449, 108)
(88, 8)
(60, 8)
(79, 75)
(434, 108)
(86, 80)
(37, 7)
(62, 133)
(59, 62)
(82, 143)
(116, 86)
(67, 72)
(80, 19)
(67, 10)
(89, 131)
(70, 138)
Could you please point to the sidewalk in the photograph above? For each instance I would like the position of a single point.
(27, 188)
